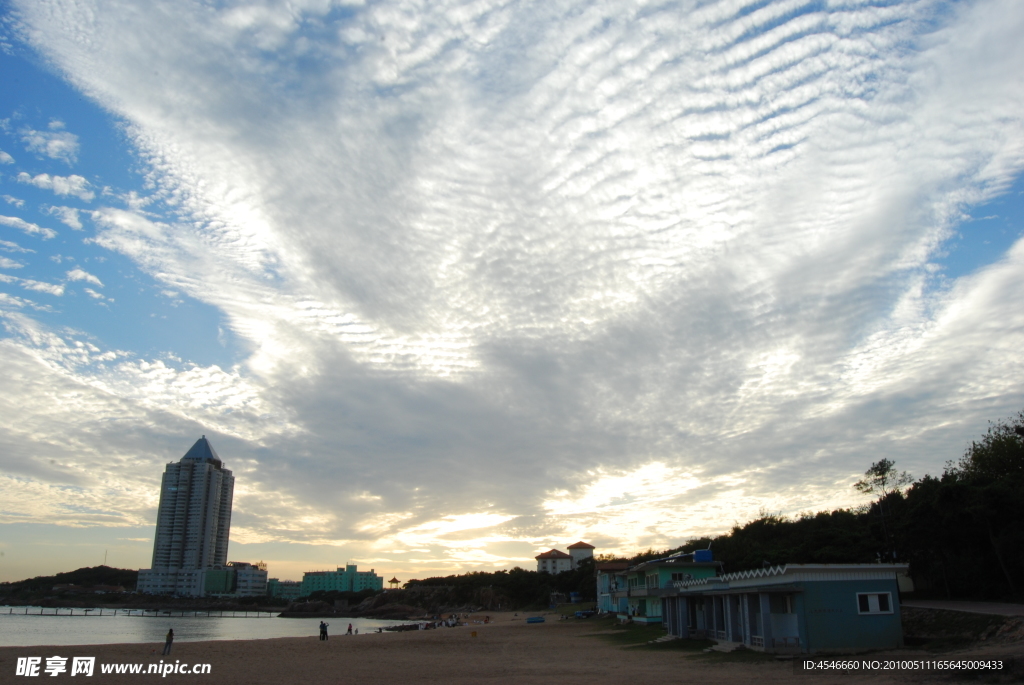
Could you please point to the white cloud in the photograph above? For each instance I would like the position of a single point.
(95, 295)
(11, 200)
(5, 158)
(38, 286)
(74, 184)
(567, 272)
(56, 143)
(67, 216)
(11, 302)
(28, 227)
(8, 263)
(82, 275)
(8, 246)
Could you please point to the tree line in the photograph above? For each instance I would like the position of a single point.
(961, 532)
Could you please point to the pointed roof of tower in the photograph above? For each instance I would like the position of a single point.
(203, 451)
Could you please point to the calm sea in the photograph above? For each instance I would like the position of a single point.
(19, 630)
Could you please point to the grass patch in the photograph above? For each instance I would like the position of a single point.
(693, 646)
(629, 634)
(740, 656)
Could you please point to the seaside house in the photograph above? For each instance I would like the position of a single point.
(794, 608)
(608, 575)
(639, 591)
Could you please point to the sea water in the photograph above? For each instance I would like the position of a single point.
(20, 630)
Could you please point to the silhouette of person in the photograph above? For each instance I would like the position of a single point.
(170, 640)
(323, 630)
(349, 628)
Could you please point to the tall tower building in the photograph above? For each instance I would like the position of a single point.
(194, 517)
(193, 523)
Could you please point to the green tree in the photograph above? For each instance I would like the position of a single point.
(882, 479)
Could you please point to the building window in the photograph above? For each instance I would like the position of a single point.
(874, 603)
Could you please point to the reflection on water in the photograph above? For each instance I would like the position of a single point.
(19, 630)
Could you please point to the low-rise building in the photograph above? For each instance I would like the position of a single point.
(172, 581)
(795, 608)
(639, 591)
(557, 561)
(553, 561)
(608, 573)
(286, 589)
(250, 579)
(238, 578)
(346, 579)
(580, 551)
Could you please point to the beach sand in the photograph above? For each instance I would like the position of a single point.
(504, 651)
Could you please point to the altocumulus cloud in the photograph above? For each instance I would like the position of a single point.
(512, 273)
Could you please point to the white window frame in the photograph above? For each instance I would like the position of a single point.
(873, 603)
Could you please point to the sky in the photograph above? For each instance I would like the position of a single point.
(448, 284)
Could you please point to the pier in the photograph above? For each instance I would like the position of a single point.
(140, 613)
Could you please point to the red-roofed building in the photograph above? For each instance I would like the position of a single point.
(556, 561)
(580, 551)
(553, 561)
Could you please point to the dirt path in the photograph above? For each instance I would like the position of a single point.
(991, 608)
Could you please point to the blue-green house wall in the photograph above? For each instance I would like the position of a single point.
(648, 607)
(833, 624)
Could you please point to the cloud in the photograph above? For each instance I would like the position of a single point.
(81, 275)
(11, 200)
(97, 296)
(61, 185)
(38, 286)
(28, 227)
(579, 271)
(7, 263)
(67, 216)
(8, 246)
(11, 302)
(54, 143)
(5, 158)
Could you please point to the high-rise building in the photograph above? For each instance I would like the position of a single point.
(193, 523)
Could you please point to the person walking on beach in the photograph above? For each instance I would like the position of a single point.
(349, 628)
(170, 640)
(323, 630)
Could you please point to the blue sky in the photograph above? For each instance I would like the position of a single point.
(450, 285)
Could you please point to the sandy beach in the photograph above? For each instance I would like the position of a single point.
(504, 651)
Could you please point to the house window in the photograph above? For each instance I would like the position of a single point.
(874, 603)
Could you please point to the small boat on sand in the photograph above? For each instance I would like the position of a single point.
(535, 619)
